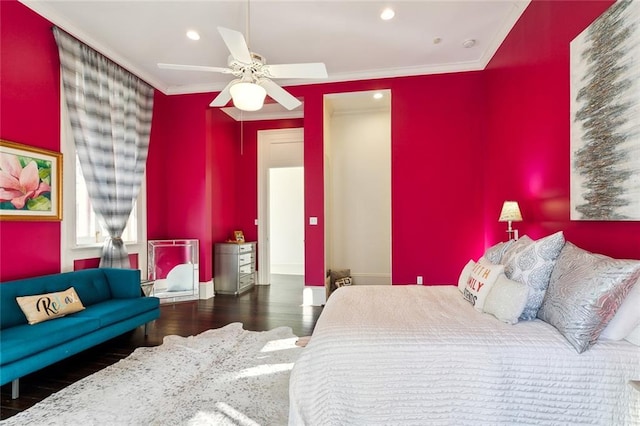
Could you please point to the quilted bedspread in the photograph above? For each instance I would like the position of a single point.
(416, 355)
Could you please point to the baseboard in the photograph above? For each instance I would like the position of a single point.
(178, 298)
(287, 269)
(206, 290)
(370, 279)
(314, 295)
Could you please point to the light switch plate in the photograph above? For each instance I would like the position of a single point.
(313, 220)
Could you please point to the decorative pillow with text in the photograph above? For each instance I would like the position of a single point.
(343, 282)
(483, 275)
(42, 307)
(464, 275)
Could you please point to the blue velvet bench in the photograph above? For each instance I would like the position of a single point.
(113, 303)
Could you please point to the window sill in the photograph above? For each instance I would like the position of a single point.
(99, 245)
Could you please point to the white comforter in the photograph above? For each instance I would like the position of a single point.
(423, 356)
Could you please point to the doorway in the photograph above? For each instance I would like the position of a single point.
(357, 162)
(281, 208)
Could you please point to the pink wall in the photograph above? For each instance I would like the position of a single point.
(247, 178)
(436, 176)
(29, 114)
(224, 135)
(179, 182)
(528, 137)
(462, 144)
(208, 177)
(435, 181)
(314, 267)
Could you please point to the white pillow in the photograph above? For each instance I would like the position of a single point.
(506, 299)
(634, 336)
(483, 275)
(626, 318)
(464, 275)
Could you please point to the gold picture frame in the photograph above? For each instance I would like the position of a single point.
(32, 179)
(238, 236)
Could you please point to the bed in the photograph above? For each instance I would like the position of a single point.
(417, 355)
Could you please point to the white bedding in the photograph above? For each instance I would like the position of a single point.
(423, 355)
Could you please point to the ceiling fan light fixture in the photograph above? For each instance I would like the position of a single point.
(253, 76)
(248, 96)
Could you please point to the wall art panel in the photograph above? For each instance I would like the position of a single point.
(605, 116)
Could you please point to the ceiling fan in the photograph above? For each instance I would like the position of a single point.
(253, 75)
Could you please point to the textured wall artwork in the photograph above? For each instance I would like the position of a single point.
(605, 116)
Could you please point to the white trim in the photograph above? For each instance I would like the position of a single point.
(517, 10)
(287, 268)
(265, 139)
(206, 290)
(346, 76)
(50, 13)
(43, 8)
(371, 279)
(314, 295)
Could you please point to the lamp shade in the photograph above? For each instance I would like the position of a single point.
(248, 96)
(510, 212)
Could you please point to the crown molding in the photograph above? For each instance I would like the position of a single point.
(49, 13)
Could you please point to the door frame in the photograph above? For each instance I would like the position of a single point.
(266, 138)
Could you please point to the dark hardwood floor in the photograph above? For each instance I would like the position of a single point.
(260, 309)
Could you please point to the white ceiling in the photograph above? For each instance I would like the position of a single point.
(348, 36)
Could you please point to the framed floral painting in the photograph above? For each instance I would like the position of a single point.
(30, 183)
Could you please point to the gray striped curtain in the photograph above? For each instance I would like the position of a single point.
(110, 111)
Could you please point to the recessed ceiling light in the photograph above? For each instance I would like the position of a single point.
(377, 95)
(469, 43)
(193, 35)
(387, 14)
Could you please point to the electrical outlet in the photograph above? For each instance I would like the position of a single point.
(419, 280)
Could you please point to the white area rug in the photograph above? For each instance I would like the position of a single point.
(225, 376)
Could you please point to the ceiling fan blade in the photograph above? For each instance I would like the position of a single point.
(280, 95)
(236, 44)
(224, 96)
(194, 68)
(309, 70)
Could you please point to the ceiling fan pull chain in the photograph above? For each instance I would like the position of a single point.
(248, 24)
(241, 132)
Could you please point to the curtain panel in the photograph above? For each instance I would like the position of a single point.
(110, 111)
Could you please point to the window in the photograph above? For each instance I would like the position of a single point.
(89, 231)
